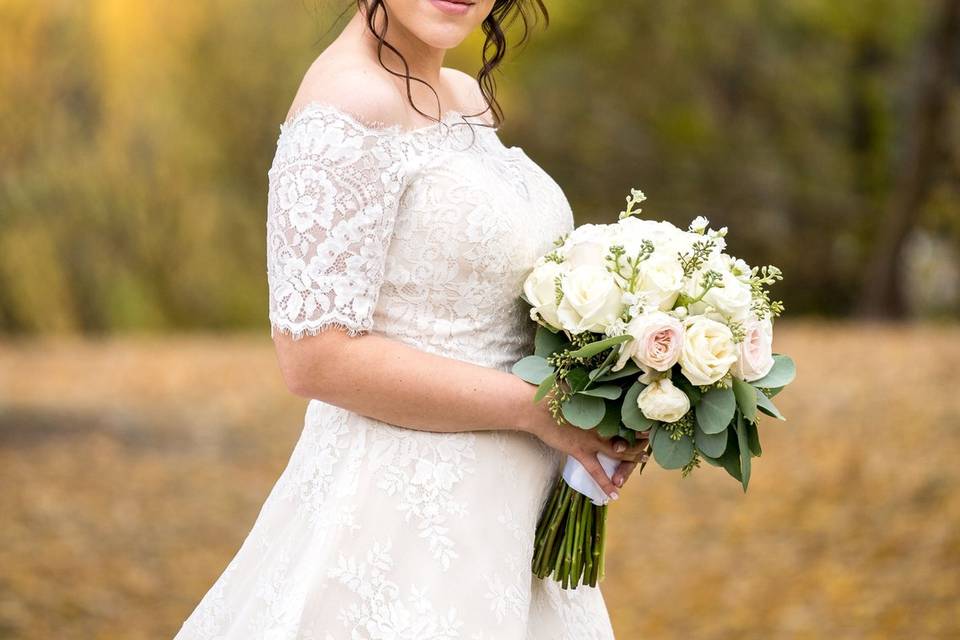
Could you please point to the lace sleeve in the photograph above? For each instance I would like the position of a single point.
(334, 188)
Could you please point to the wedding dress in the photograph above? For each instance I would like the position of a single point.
(375, 531)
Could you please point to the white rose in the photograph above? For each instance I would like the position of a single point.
(539, 289)
(708, 350)
(731, 302)
(755, 352)
(661, 279)
(660, 400)
(665, 237)
(591, 300)
(588, 244)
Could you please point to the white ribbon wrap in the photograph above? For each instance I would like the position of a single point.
(581, 481)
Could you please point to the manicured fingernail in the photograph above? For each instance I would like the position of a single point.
(614, 495)
(619, 447)
(644, 458)
(618, 482)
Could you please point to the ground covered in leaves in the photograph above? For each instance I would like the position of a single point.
(132, 468)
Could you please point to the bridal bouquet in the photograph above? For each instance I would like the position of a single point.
(647, 328)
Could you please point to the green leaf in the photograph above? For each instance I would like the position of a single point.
(594, 348)
(715, 410)
(629, 435)
(744, 448)
(746, 396)
(765, 405)
(670, 453)
(583, 411)
(609, 426)
(684, 385)
(753, 439)
(577, 379)
(545, 386)
(783, 372)
(730, 460)
(629, 411)
(533, 369)
(628, 369)
(714, 461)
(710, 444)
(608, 391)
(770, 391)
(547, 342)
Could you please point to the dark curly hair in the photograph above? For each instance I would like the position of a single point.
(503, 14)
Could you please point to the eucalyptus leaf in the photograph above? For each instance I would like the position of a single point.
(746, 396)
(783, 372)
(533, 369)
(753, 439)
(577, 378)
(594, 348)
(711, 444)
(744, 447)
(770, 391)
(628, 369)
(547, 342)
(715, 410)
(766, 405)
(714, 461)
(684, 385)
(629, 435)
(609, 426)
(670, 453)
(608, 391)
(629, 411)
(545, 386)
(583, 411)
(730, 460)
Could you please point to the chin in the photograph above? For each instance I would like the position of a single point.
(442, 24)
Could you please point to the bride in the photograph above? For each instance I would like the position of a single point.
(397, 243)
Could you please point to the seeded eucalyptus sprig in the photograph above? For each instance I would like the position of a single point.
(618, 253)
(762, 305)
(694, 259)
(563, 363)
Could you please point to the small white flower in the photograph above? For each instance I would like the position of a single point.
(616, 328)
(699, 224)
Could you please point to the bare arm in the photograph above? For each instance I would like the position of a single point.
(390, 381)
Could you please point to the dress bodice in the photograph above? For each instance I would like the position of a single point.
(423, 235)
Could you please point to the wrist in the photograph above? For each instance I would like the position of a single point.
(529, 416)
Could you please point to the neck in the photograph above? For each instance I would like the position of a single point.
(423, 60)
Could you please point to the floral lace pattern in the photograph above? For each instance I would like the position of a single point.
(374, 531)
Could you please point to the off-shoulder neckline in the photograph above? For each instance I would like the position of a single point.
(450, 116)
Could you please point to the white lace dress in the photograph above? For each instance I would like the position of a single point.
(376, 531)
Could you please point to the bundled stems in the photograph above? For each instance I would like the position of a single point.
(571, 538)
(568, 542)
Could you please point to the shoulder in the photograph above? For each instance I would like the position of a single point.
(467, 91)
(354, 87)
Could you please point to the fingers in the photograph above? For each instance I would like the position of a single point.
(592, 465)
(618, 448)
(624, 469)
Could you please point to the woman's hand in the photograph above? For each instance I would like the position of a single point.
(584, 444)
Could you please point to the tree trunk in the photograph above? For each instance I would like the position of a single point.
(882, 293)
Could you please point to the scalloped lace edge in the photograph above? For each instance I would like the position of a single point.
(298, 333)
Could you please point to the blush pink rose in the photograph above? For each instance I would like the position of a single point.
(755, 352)
(657, 341)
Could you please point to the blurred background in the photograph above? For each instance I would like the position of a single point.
(142, 416)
